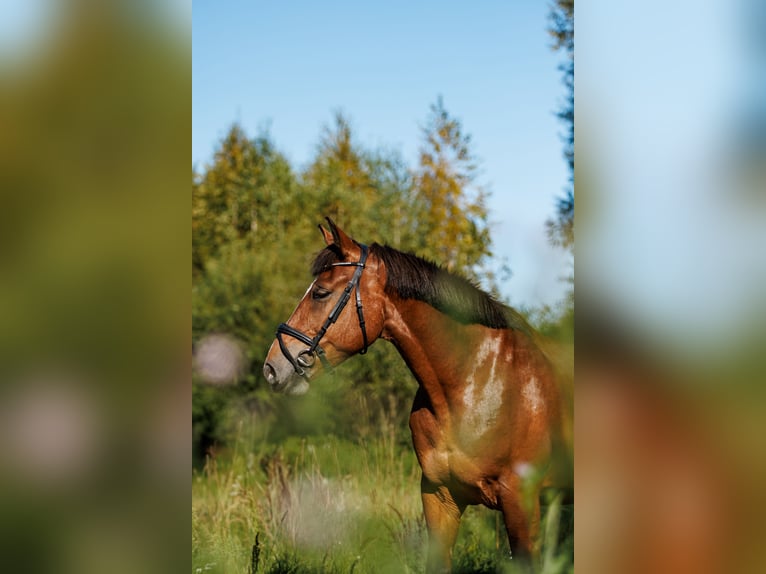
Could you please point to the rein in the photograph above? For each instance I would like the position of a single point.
(307, 357)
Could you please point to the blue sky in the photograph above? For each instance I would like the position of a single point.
(291, 65)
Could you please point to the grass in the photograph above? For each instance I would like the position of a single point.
(326, 504)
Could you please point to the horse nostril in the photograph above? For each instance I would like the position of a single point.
(270, 374)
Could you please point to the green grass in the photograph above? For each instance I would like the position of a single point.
(325, 504)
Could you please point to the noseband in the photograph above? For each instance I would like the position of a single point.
(306, 358)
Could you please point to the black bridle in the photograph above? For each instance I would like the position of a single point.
(306, 358)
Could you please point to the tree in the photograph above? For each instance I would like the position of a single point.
(561, 226)
(338, 179)
(369, 191)
(244, 195)
(451, 206)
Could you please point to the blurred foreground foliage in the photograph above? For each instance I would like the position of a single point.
(94, 298)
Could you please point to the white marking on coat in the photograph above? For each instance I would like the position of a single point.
(532, 396)
(483, 398)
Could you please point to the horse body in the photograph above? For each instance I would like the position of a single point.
(486, 414)
(482, 421)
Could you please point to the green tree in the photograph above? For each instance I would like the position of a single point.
(561, 226)
(339, 179)
(451, 206)
(248, 236)
(247, 264)
(367, 191)
(244, 196)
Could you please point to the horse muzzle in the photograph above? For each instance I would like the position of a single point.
(288, 383)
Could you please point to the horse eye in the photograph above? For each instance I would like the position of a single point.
(319, 293)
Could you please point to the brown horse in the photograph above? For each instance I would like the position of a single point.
(487, 411)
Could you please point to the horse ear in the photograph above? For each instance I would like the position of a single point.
(328, 238)
(347, 245)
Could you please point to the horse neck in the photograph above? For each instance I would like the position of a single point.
(437, 349)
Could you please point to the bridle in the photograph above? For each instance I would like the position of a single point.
(307, 357)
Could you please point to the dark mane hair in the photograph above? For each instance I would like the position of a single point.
(412, 277)
(325, 258)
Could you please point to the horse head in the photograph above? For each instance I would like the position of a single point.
(341, 314)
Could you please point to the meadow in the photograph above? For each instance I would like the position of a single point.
(322, 503)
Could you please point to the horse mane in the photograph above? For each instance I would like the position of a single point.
(412, 277)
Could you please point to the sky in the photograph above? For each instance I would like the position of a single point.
(290, 66)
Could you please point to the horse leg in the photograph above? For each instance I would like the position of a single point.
(442, 514)
(521, 514)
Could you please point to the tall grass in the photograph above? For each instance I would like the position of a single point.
(327, 504)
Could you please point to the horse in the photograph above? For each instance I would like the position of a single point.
(487, 412)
